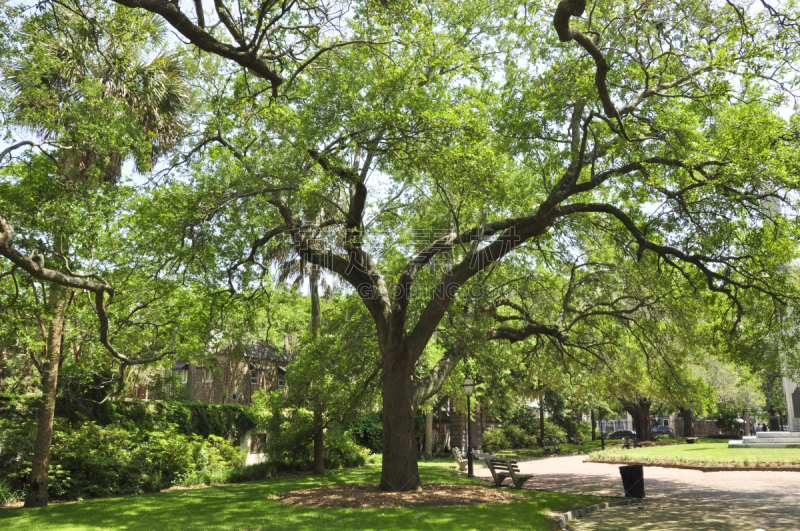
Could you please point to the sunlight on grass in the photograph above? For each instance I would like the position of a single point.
(706, 454)
(248, 506)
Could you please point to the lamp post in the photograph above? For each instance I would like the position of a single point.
(469, 386)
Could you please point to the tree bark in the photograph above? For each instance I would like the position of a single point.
(594, 425)
(640, 411)
(541, 419)
(570, 430)
(688, 422)
(429, 436)
(319, 426)
(37, 484)
(399, 470)
(319, 443)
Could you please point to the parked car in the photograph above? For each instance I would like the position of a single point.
(619, 434)
(663, 430)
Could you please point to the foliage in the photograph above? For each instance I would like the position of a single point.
(289, 430)
(482, 121)
(7, 493)
(367, 429)
(494, 440)
(89, 460)
(229, 421)
(517, 437)
(553, 432)
(582, 430)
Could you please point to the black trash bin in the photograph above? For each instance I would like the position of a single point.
(633, 480)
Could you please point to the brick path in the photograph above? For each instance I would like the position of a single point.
(676, 499)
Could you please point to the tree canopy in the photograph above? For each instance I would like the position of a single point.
(498, 170)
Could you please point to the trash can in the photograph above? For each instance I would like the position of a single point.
(633, 480)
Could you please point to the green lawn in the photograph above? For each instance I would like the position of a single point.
(705, 452)
(246, 506)
(587, 446)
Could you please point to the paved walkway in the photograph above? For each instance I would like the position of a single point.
(675, 499)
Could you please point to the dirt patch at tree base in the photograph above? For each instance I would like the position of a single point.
(369, 495)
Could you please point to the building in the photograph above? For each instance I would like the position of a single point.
(234, 373)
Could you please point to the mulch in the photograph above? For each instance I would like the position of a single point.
(369, 495)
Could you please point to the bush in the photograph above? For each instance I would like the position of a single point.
(510, 436)
(367, 431)
(582, 430)
(553, 432)
(90, 460)
(228, 421)
(494, 440)
(7, 494)
(517, 438)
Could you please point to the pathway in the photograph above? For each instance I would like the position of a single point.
(676, 499)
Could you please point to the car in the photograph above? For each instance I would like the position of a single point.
(663, 430)
(619, 434)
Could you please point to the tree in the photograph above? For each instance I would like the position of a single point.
(501, 143)
(95, 100)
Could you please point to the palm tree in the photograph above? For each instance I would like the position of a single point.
(115, 55)
(76, 57)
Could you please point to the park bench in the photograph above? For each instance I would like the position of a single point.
(554, 447)
(691, 440)
(462, 463)
(627, 442)
(502, 468)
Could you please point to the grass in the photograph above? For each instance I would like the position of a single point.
(587, 446)
(707, 452)
(247, 506)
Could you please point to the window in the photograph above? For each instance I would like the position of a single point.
(184, 376)
(257, 442)
(208, 375)
(254, 379)
(281, 377)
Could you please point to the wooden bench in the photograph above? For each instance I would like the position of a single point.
(627, 442)
(555, 449)
(502, 468)
(462, 463)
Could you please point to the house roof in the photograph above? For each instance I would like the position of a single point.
(180, 366)
(263, 350)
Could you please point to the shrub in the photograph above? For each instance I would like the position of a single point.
(582, 430)
(494, 440)
(90, 460)
(517, 438)
(7, 494)
(552, 432)
(367, 430)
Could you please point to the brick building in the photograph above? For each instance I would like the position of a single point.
(233, 374)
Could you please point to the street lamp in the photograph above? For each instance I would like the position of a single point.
(469, 386)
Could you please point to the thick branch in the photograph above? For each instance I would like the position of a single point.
(197, 36)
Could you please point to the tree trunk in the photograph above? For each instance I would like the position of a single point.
(541, 420)
(594, 425)
(688, 422)
(37, 485)
(570, 430)
(319, 443)
(319, 427)
(429, 436)
(442, 412)
(640, 411)
(399, 471)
